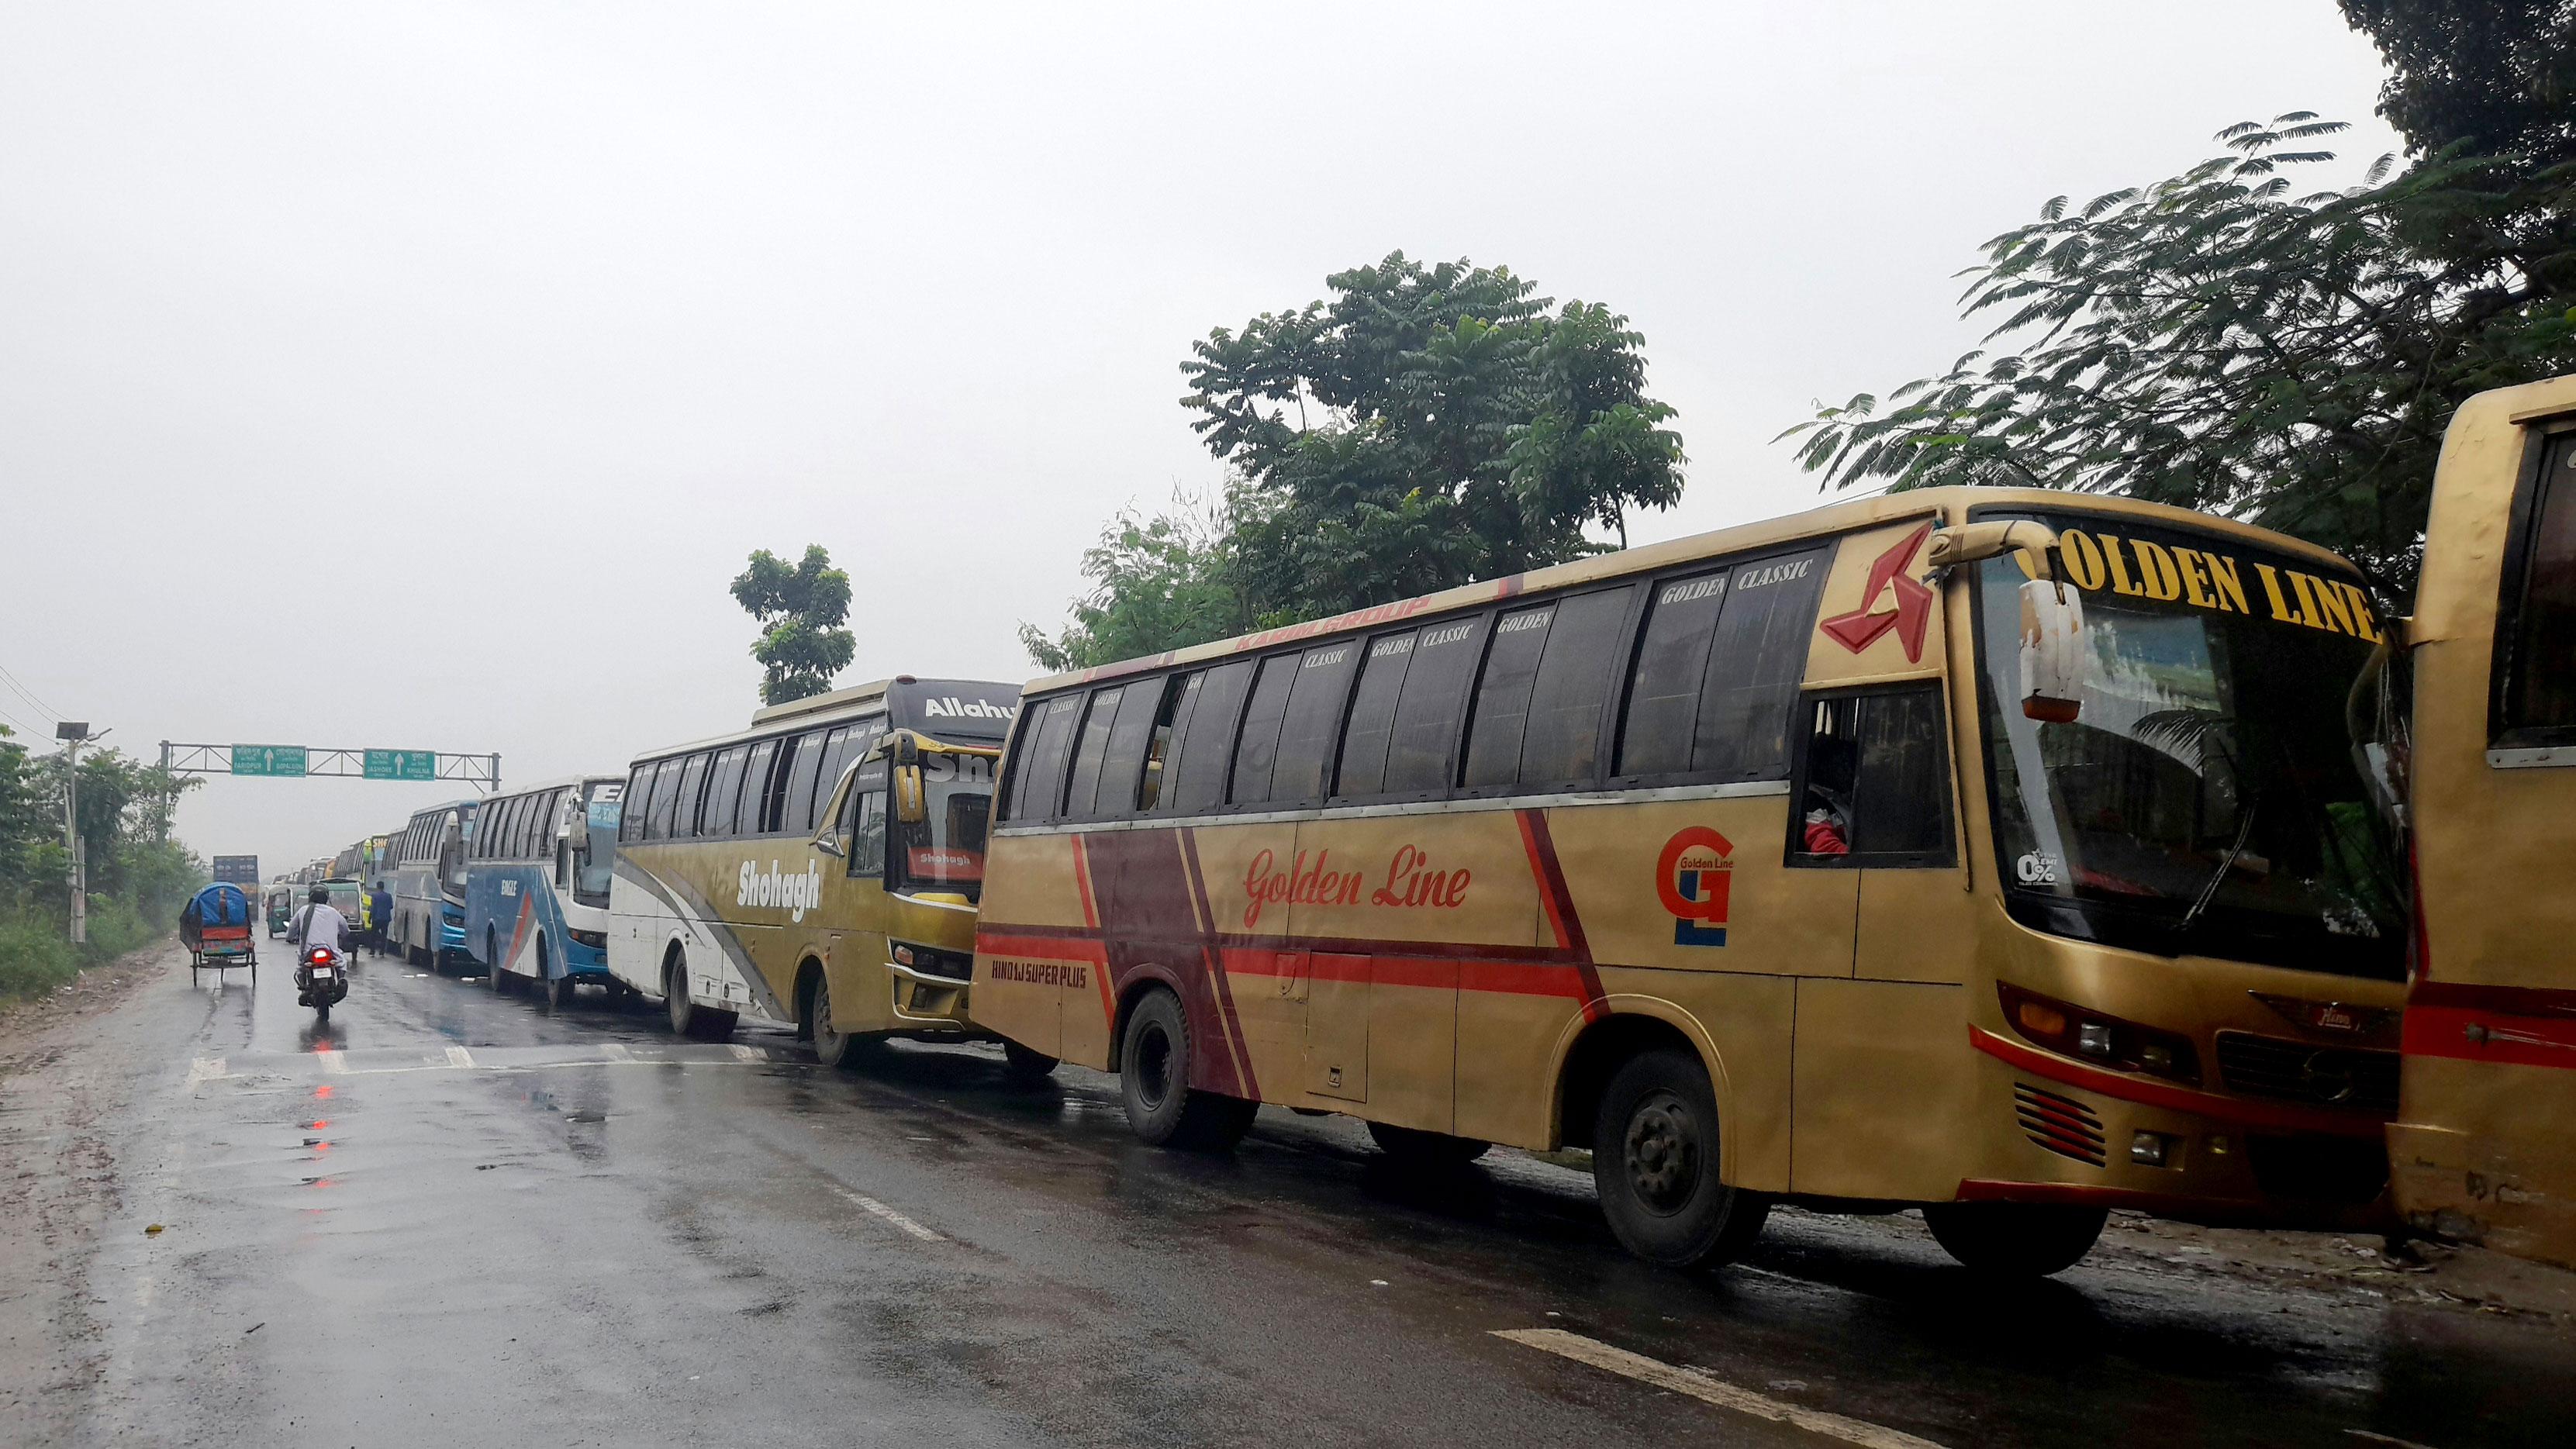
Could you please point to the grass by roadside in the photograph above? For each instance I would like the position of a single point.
(35, 957)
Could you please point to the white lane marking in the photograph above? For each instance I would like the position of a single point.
(202, 1070)
(890, 1215)
(459, 1057)
(749, 1054)
(333, 1064)
(1708, 1390)
(615, 1052)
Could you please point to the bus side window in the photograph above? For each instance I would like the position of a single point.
(637, 800)
(1203, 744)
(1371, 727)
(1092, 751)
(666, 798)
(1037, 791)
(1180, 694)
(1313, 722)
(1421, 751)
(1256, 746)
(1873, 784)
(1561, 739)
(693, 788)
(742, 807)
(1750, 700)
(868, 821)
(2537, 643)
(836, 754)
(1501, 715)
(796, 800)
(1136, 728)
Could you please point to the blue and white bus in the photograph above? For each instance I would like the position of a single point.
(427, 877)
(536, 886)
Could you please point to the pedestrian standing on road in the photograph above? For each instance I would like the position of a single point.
(380, 910)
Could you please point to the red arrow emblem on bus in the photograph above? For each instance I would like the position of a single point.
(1911, 616)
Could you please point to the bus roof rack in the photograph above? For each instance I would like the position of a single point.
(816, 704)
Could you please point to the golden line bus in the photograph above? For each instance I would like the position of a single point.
(1670, 854)
(819, 869)
(2480, 737)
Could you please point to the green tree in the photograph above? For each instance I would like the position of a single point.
(1426, 427)
(2497, 77)
(2216, 342)
(1157, 584)
(800, 611)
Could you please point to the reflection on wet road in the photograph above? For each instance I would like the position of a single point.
(450, 1218)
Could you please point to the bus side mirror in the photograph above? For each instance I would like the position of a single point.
(2054, 650)
(827, 835)
(1977, 542)
(910, 807)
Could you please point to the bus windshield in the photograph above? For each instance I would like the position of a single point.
(2204, 800)
(945, 850)
(594, 843)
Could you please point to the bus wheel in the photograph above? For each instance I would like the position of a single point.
(2015, 1239)
(1154, 1082)
(1024, 1066)
(687, 1017)
(1412, 1147)
(833, 1047)
(559, 994)
(498, 979)
(1654, 1160)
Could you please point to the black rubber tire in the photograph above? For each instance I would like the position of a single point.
(559, 994)
(2015, 1239)
(322, 1012)
(839, 1050)
(1163, 1108)
(1025, 1066)
(1414, 1147)
(493, 975)
(1655, 1163)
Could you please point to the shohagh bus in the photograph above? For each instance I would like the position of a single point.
(2477, 729)
(536, 886)
(425, 874)
(819, 869)
(1999, 852)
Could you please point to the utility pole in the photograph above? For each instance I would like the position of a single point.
(74, 734)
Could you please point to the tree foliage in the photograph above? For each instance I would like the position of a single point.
(2218, 342)
(1425, 427)
(800, 611)
(1157, 584)
(2497, 77)
(137, 876)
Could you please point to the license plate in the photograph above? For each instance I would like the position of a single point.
(324, 973)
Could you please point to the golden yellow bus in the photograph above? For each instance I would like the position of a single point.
(1836, 859)
(819, 869)
(2484, 758)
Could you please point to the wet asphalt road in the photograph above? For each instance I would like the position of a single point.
(449, 1218)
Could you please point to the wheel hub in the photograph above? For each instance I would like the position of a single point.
(1662, 1152)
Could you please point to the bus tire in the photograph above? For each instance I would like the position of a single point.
(2015, 1239)
(1655, 1163)
(1025, 1066)
(493, 975)
(687, 1017)
(1434, 1151)
(559, 994)
(1163, 1108)
(834, 1048)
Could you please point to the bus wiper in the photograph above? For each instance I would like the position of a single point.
(2209, 892)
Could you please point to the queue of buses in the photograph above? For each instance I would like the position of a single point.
(2013, 855)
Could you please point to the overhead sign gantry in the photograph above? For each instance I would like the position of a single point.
(308, 761)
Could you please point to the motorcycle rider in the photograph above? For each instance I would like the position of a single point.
(321, 923)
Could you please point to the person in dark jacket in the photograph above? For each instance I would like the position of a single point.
(380, 915)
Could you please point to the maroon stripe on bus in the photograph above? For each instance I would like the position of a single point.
(1215, 959)
(1559, 900)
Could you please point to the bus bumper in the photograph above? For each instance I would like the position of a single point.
(2082, 1136)
(586, 963)
(924, 1000)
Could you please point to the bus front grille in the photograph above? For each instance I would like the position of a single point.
(2060, 1124)
(2296, 1071)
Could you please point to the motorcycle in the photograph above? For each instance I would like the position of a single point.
(321, 980)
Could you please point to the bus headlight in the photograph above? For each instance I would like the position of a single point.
(595, 940)
(931, 961)
(2080, 1031)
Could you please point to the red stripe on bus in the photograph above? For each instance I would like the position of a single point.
(2511, 1000)
(1045, 944)
(1561, 915)
(1232, 1025)
(1091, 920)
(2509, 1040)
(2278, 1116)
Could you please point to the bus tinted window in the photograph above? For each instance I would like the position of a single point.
(1203, 744)
(666, 794)
(796, 802)
(1751, 696)
(1372, 721)
(1257, 745)
(1672, 666)
(1418, 754)
(837, 748)
(2540, 687)
(1562, 745)
(1313, 721)
(638, 800)
(1038, 791)
(1180, 694)
(1876, 780)
(755, 788)
(1092, 751)
(690, 819)
(760, 812)
(509, 837)
(1502, 698)
(724, 781)
(1135, 730)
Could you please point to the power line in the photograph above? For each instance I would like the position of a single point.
(29, 695)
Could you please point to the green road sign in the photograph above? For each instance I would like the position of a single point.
(268, 759)
(401, 764)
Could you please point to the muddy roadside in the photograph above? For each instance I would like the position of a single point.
(63, 1085)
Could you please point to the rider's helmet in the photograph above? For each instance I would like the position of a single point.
(321, 896)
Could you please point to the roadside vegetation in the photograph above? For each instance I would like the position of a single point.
(138, 876)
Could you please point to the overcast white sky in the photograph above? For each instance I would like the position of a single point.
(418, 375)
